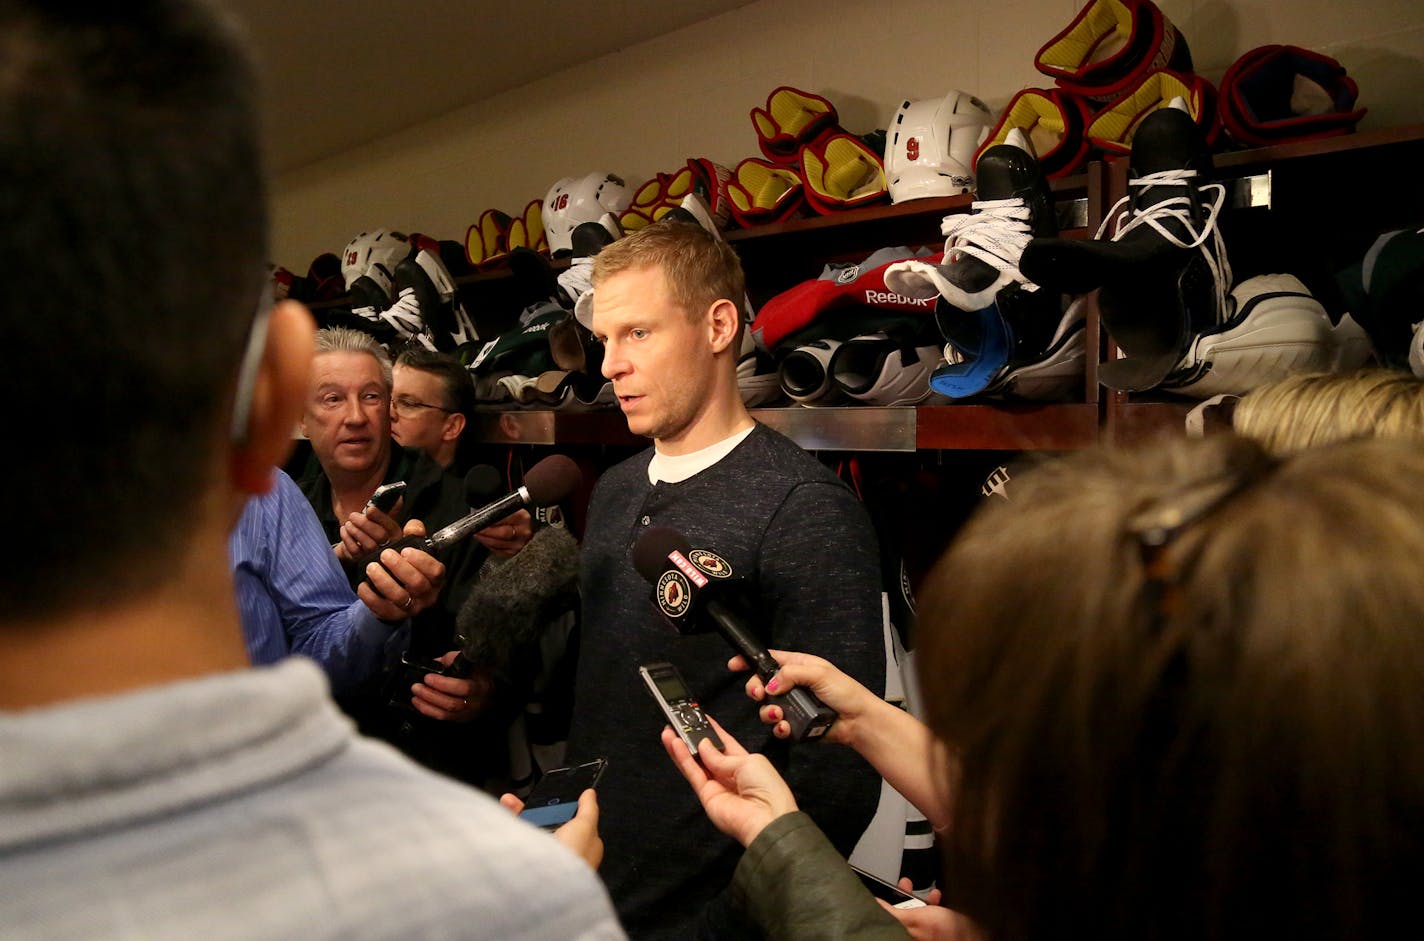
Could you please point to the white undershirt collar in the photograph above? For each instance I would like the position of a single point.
(675, 468)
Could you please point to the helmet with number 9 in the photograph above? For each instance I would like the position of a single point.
(929, 150)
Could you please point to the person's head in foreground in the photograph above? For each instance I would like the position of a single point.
(135, 206)
(1181, 694)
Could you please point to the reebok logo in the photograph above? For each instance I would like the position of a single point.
(891, 299)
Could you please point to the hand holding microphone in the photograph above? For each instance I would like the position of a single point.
(694, 589)
(402, 585)
(549, 481)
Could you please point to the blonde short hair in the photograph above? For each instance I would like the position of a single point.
(700, 268)
(1310, 409)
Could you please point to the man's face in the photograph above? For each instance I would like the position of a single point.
(659, 361)
(419, 412)
(347, 415)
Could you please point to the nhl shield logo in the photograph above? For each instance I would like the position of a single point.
(710, 563)
(673, 594)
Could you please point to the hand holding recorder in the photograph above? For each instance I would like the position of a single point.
(675, 699)
(740, 792)
(404, 583)
(373, 526)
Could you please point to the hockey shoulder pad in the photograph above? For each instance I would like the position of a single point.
(761, 192)
(487, 238)
(1112, 128)
(1110, 45)
(709, 180)
(840, 173)
(1055, 123)
(1280, 93)
(527, 230)
(792, 119)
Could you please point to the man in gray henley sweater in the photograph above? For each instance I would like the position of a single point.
(663, 308)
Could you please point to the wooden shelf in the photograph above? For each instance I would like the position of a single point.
(1007, 427)
(1135, 421)
(1232, 163)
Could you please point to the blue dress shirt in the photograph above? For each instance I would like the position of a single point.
(292, 594)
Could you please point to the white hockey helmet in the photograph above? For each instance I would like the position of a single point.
(378, 246)
(573, 200)
(929, 150)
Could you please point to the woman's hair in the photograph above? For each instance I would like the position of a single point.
(1183, 694)
(1310, 409)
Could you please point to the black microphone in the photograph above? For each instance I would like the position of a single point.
(549, 481)
(691, 586)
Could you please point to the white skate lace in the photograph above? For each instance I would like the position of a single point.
(995, 232)
(577, 277)
(1206, 235)
(404, 314)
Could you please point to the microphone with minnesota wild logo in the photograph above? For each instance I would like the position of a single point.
(692, 587)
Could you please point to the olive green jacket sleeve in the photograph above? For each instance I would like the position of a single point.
(794, 885)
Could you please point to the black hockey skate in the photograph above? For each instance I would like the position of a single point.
(1164, 274)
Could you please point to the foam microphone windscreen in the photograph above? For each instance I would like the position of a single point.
(508, 609)
(552, 479)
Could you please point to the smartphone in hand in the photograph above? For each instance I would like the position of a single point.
(386, 496)
(893, 894)
(554, 799)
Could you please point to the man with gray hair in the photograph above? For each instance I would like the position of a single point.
(347, 418)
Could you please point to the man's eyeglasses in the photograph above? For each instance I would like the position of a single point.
(406, 407)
